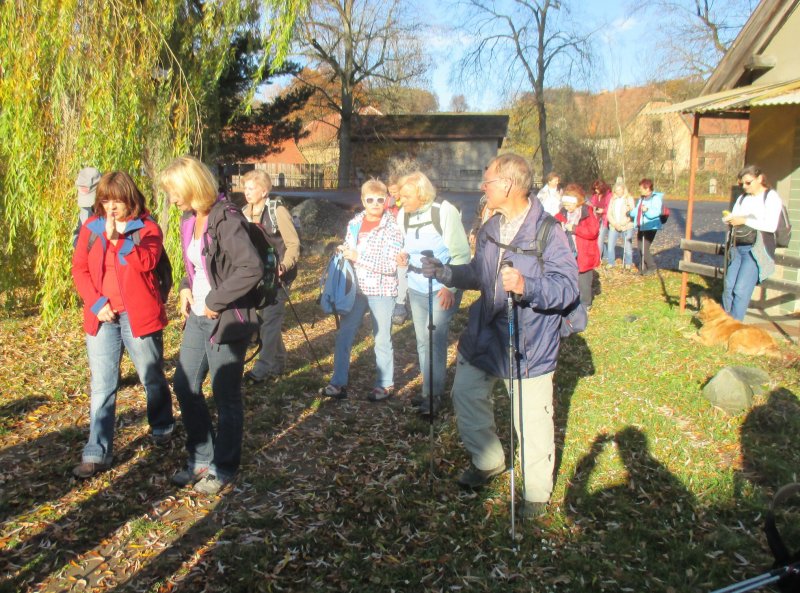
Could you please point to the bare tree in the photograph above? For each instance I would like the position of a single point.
(695, 34)
(531, 42)
(458, 104)
(360, 43)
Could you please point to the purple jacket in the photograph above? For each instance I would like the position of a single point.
(233, 268)
(484, 343)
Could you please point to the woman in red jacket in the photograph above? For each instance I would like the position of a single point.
(113, 268)
(577, 218)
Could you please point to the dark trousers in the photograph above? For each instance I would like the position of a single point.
(218, 450)
(585, 287)
(644, 239)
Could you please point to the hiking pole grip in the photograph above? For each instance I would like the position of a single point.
(512, 452)
(431, 327)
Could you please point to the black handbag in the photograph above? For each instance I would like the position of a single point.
(744, 235)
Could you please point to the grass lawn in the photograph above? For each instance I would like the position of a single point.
(655, 490)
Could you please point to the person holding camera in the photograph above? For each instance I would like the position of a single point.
(752, 224)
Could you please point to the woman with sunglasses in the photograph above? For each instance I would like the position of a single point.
(372, 243)
(114, 272)
(751, 261)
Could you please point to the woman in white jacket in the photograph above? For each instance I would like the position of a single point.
(759, 209)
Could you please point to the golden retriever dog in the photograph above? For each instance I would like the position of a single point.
(721, 328)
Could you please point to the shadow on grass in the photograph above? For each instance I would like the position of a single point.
(770, 442)
(637, 530)
(89, 523)
(46, 463)
(574, 363)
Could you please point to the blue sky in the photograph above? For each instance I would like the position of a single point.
(618, 46)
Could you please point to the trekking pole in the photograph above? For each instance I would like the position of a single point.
(773, 576)
(511, 352)
(305, 335)
(431, 327)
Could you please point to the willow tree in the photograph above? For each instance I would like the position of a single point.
(117, 84)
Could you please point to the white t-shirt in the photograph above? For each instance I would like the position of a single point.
(200, 285)
(550, 199)
(760, 213)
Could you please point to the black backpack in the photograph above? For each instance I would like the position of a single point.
(162, 271)
(265, 293)
(783, 232)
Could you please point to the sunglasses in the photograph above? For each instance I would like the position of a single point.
(374, 200)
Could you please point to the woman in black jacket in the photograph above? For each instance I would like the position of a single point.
(222, 266)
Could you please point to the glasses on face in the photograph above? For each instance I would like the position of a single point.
(488, 181)
(374, 199)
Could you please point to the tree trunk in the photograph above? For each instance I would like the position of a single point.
(547, 163)
(345, 152)
(345, 145)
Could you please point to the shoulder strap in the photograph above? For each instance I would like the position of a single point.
(436, 217)
(92, 238)
(542, 237)
(272, 210)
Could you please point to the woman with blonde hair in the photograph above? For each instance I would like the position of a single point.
(620, 223)
(113, 268)
(435, 225)
(275, 219)
(222, 267)
(371, 243)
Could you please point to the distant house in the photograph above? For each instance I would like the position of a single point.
(452, 149)
(620, 125)
(759, 79)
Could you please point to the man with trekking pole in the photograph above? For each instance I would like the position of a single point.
(534, 288)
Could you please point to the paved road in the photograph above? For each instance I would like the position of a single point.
(707, 224)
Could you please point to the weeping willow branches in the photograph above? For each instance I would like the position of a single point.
(117, 84)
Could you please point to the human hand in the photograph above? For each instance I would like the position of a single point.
(446, 298)
(187, 300)
(430, 266)
(107, 314)
(644, 208)
(402, 259)
(735, 220)
(210, 314)
(348, 253)
(433, 268)
(111, 227)
(512, 280)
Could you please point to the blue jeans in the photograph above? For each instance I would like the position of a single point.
(441, 320)
(740, 280)
(601, 239)
(198, 357)
(380, 308)
(627, 249)
(147, 355)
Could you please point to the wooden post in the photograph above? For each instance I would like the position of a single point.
(687, 255)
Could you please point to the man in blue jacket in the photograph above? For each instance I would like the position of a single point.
(541, 291)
